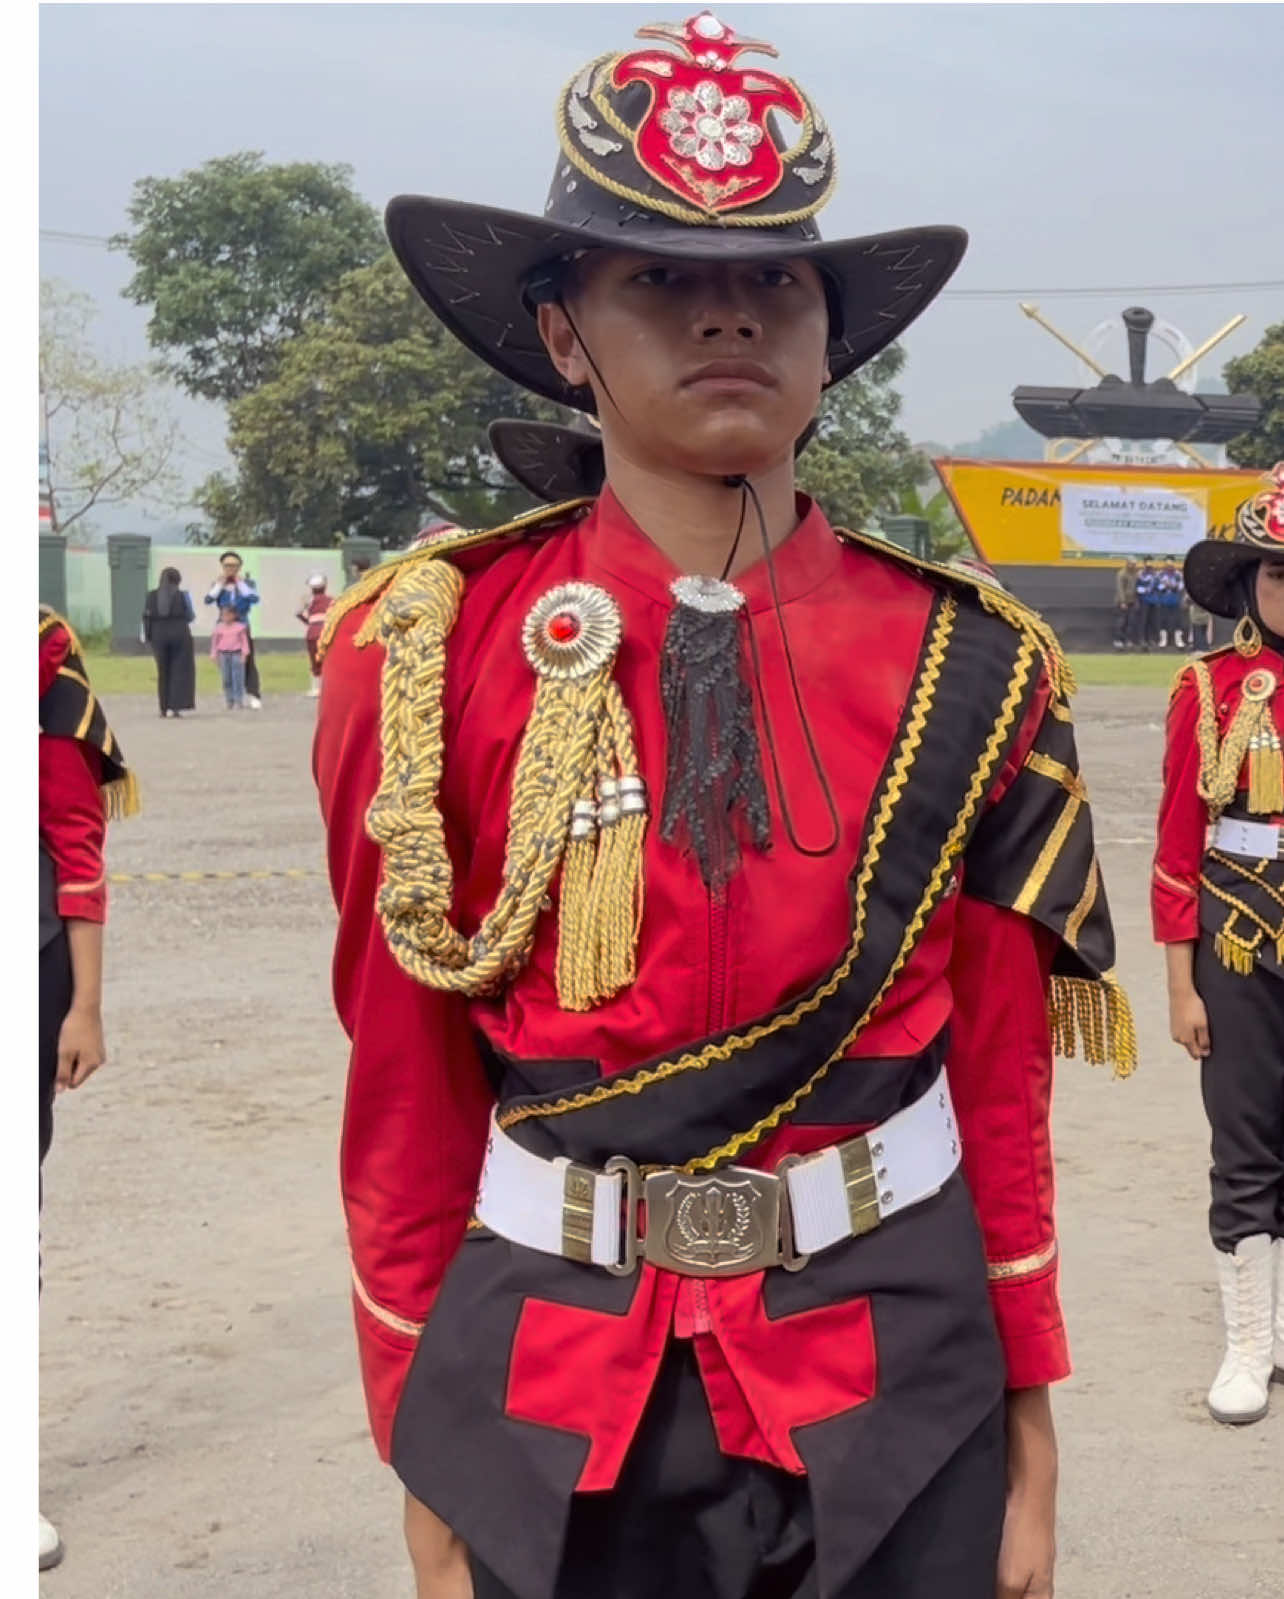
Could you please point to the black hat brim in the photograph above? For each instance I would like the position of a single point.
(1210, 572)
(469, 264)
(551, 462)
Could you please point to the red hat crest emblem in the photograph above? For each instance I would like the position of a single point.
(705, 135)
(1270, 504)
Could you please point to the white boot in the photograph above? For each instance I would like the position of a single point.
(1163, 638)
(50, 1545)
(1239, 1390)
(314, 688)
(1279, 1309)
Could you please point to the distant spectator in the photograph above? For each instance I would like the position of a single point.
(1201, 627)
(1127, 606)
(168, 615)
(312, 614)
(241, 593)
(230, 649)
(1148, 603)
(1170, 598)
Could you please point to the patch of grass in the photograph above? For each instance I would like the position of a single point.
(287, 673)
(1122, 670)
(111, 675)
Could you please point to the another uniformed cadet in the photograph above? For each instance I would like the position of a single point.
(1218, 906)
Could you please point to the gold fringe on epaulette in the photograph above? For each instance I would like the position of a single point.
(578, 738)
(1019, 615)
(1093, 1016)
(122, 798)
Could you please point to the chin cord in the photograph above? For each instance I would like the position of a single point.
(717, 862)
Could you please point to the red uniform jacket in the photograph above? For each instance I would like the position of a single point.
(73, 825)
(418, 1101)
(1183, 815)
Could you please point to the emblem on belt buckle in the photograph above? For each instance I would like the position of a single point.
(716, 1226)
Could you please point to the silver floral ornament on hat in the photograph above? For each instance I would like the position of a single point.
(571, 631)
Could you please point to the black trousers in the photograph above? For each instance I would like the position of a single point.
(686, 1521)
(175, 671)
(252, 669)
(55, 1002)
(1243, 1086)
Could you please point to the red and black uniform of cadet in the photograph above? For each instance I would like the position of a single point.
(1223, 889)
(527, 961)
(82, 782)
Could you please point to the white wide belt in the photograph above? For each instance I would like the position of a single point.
(728, 1222)
(1256, 841)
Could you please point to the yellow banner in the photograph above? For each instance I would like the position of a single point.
(1038, 513)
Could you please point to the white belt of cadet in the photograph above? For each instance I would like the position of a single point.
(914, 1153)
(1255, 841)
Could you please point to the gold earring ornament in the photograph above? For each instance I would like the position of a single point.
(1247, 637)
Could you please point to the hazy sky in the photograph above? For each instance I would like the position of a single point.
(1100, 145)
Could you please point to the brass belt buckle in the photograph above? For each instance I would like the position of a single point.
(725, 1224)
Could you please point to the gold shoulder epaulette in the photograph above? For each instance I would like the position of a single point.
(376, 582)
(995, 599)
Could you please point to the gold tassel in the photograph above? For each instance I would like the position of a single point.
(1265, 770)
(616, 906)
(1093, 1015)
(576, 985)
(602, 958)
(122, 798)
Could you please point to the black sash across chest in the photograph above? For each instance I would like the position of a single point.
(705, 1104)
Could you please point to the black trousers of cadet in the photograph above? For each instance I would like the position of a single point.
(686, 1521)
(55, 1002)
(1243, 1085)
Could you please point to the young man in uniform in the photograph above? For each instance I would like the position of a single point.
(696, 1156)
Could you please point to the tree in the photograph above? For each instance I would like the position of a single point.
(1260, 372)
(949, 537)
(375, 415)
(860, 463)
(108, 434)
(235, 257)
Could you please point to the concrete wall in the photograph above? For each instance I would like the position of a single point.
(282, 577)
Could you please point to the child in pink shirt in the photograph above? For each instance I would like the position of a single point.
(230, 647)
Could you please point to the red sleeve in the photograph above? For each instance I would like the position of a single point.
(1183, 823)
(73, 826)
(1000, 1069)
(417, 1106)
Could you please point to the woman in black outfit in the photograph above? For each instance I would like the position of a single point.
(167, 627)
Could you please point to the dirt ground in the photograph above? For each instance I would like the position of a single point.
(203, 1432)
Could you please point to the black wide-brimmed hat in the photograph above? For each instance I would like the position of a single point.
(678, 153)
(1214, 565)
(564, 461)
